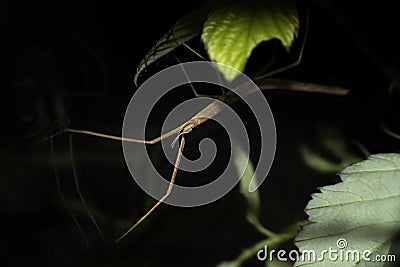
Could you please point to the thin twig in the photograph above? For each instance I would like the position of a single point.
(273, 84)
(216, 107)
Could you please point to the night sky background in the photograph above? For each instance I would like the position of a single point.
(70, 64)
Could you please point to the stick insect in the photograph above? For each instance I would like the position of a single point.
(201, 117)
(210, 111)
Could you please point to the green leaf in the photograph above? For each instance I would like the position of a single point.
(233, 30)
(338, 147)
(318, 162)
(363, 210)
(182, 31)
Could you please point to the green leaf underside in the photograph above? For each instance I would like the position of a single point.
(182, 31)
(232, 31)
(364, 209)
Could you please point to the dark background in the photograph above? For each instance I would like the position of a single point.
(72, 64)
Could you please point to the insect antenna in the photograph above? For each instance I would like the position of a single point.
(59, 189)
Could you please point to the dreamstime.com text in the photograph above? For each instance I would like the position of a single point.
(338, 253)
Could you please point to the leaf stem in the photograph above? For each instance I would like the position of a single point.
(260, 228)
(272, 242)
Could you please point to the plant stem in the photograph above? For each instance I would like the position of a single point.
(273, 241)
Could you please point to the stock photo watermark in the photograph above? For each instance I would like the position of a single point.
(186, 116)
(338, 253)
